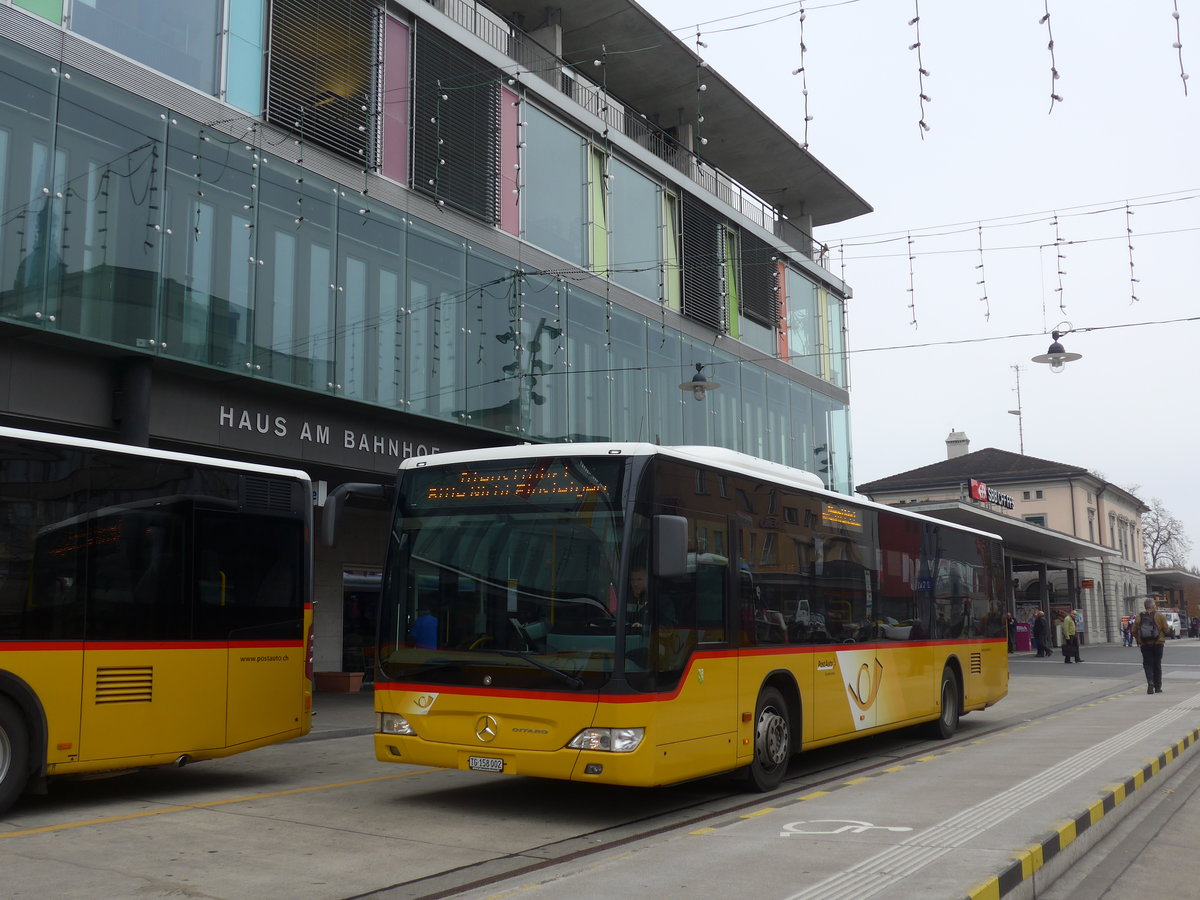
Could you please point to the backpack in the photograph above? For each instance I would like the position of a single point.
(1148, 629)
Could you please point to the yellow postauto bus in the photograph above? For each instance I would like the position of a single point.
(155, 608)
(642, 615)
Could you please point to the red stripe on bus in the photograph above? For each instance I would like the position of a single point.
(184, 645)
(41, 645)
(144, 645)
(472, 691)
(592, 697)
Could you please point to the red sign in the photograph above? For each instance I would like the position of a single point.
(1087, 583)
(977, 489)
(981, 492)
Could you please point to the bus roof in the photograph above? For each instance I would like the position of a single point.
(733, 461)
(42, 437)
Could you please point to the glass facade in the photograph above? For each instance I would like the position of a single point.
(636, 231)
(555, 196)
(804, 346)
(180, 38)
(133, 226)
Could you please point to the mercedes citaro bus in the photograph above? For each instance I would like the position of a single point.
(642, 615)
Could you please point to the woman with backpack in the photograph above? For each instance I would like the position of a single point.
(1150, 632)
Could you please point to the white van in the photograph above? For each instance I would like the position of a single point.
(1174, 629)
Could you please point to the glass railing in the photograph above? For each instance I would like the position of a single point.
(537, 60)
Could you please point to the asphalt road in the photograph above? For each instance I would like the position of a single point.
(320, 818)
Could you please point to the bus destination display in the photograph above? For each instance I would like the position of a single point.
(546, 481)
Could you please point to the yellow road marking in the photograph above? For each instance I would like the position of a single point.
(208, 804)
(757, 813)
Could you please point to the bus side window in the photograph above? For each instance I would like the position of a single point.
(135, 585)
(710, 602)
(246, 579)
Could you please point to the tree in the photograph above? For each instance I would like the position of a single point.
(1167, 547)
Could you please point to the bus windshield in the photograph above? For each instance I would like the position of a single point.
(505, 574)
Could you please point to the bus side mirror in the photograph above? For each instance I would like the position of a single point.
(331, 516)
(670, 546)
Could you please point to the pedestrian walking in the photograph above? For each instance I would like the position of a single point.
(1150, 632)
(1041, 634)
(1011, 622)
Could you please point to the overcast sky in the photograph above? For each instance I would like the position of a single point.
(1001, 155)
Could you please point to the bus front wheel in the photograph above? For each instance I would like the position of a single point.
(947, 721)
(772, 741)
(14, 753)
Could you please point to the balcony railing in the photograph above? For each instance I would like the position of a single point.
(532, 56)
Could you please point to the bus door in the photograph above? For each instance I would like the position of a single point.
(696, 671)
(42, 610)
(251, 587)
(848, 674)
(148, 687)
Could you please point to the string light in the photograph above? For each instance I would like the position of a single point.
(982, 282)
(1060, 256)
(701, 87)
(1178, 45)
(1129, 235)
(922, 72)
(803, 73)
(1055, 97)
(912, 287)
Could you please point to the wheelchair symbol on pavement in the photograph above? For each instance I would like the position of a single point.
(836, 826)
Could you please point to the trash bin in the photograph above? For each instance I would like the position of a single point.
(1024, 641)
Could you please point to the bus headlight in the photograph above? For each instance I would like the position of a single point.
(394, 723)
(615, 740)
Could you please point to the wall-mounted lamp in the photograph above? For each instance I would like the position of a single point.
(1056, 356)
(699, 385)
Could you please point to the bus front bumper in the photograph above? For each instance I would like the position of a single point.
(634, 769)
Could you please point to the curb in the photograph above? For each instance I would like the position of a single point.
(1034, 858)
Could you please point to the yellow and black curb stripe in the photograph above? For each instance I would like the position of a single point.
(900, 767)
(1033, 858)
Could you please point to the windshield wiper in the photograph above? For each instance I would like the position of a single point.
(566, 677)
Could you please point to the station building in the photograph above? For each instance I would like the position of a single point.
(1073, 541)
(333, 235)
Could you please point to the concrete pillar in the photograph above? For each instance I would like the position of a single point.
(133, 379)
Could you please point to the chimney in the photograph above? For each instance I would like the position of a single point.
(957, 445)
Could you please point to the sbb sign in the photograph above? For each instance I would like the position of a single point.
(984, 494)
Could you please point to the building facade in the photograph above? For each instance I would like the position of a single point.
(335, 235)
(1081, 534)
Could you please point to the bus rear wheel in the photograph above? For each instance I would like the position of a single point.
(947, 721)
(14, 754)
(772, 741)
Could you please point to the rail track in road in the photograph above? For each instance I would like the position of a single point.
(814, 774)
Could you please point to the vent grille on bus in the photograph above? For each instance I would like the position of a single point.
(976, 663)
(125, 684)
(264, 492)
